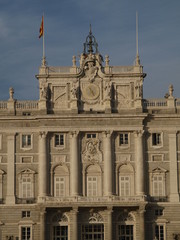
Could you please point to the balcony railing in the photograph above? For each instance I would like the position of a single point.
(86, 199)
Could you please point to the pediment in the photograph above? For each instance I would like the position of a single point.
(27, 171)
(159, 170)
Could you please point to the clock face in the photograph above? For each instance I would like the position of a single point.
(91, 91)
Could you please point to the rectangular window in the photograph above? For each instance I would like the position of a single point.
(159, 232)
(92, 186)
(26, 214)
(60, 233)
(124, 186)
(123, 139)
(92, 231)
(125, 232)
(26, 187)
(158, 186)
(59, 186)
(59, 140)
(91, 135)
(156, 139)
(26, 141)
(25, 233)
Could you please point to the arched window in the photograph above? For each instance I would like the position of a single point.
(60, 226)
(93, 181)
(93, 228)
(126, 226)
(61, 181)
(126, 180)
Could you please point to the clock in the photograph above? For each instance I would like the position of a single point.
(91, 91)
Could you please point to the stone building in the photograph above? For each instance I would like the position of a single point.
(91, 159)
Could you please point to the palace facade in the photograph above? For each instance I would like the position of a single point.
(91, 159)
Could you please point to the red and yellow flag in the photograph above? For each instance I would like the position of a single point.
(41, 30)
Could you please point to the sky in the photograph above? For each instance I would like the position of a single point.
(66, 27)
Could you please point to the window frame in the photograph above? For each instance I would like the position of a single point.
(26, 146)
(124, 135)
(59, 146)
(160, 224)
(158, 182)
(25, 225)
(60, 184)
(91, 135)
(91, 182)
(125, 186)
(159, 144)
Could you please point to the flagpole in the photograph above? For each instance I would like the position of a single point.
(43, 39)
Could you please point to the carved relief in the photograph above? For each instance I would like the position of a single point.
(44, 92)
(139, 90)
(108, 90)
(95, 217)
(123, 96)
(90, 71)
(60, 96)
(92, 152)
(74, 91)
(124, 158)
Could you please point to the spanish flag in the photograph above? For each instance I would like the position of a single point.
(41, 30)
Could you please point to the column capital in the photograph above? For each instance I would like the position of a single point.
(139, 133)
(74, 134)
(43, 134)
(107, 133)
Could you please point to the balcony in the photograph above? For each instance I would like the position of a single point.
(100, 200)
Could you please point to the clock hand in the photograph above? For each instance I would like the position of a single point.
(91, 91)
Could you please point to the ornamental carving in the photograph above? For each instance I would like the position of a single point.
(95, 217)
(90, 71)
(92, 152)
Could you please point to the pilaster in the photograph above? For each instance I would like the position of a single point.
(109, 224)
(174, 196)
(74, 232)
(43, 225)
(139, 163)
(10, 198)
(107, 163)
(74, 160)
(42, 165)
(141, 222)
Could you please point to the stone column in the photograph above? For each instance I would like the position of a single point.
(109, 224)
(141, 223)
(10, 198)
(74, 231)
(139, 163)
(174, 196)
(107, 163)
(42, 165)
(43, 225)
(74, 164)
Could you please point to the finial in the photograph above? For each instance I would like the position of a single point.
(44, 63)
(90, 46)
(11, 93)
(171, 89)
(107, 60)
(74, 61)
(90, 30)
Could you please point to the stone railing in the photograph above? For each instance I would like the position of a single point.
(155, 103)
(3, 104)
(177, 103)
(26, 105)
(82, 199)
